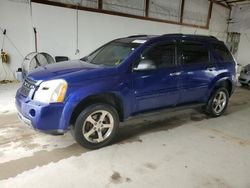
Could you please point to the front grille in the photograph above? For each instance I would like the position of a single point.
(27, 86)
(245, 71)
(241, 79)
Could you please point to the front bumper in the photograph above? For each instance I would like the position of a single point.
(244, 78)
(42, 117)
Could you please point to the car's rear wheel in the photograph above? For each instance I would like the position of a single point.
(217, 103)
(96, 126)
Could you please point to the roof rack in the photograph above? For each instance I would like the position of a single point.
(173, 34)
(191, 35)
(132, 36)
(213, 37)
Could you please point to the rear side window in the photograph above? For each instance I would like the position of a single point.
(222, 53)
(193, 53)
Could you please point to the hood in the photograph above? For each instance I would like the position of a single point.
(63, 69)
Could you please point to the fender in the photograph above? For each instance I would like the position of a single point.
(94, 88)
(218, 80)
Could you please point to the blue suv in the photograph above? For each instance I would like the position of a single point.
(124, 78)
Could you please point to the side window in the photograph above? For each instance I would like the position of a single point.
(193, 53)
(162, 55)
(222, 53)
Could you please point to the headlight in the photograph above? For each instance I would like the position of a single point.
(51, 91)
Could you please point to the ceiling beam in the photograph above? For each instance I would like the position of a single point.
(230, 3)
(182, 10)
(235, 1)
(100, 4)
(146, 7)
(209, 13)
(220, 3)
(227, 3)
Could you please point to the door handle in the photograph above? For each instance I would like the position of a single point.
(211, 69)
(175, 73)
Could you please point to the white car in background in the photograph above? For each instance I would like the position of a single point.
(244, 77)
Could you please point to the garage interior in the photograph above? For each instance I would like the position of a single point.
(179, 149)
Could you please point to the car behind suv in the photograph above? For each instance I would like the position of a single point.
(244, 77)
(124, 78)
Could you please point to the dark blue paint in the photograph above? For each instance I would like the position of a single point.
(137, 91)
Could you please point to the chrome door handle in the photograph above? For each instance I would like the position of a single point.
(211, 69)
(175, 73)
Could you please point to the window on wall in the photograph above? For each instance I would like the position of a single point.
(84, 3)
(165, 9)
(192, 13)
(134, 7)
(162, 55)
(196, 12)
(222, 53)
(193, 53)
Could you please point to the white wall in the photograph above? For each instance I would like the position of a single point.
(56, 29)
(241, 24)
(243, 56)
(218, 23)
(14, 17)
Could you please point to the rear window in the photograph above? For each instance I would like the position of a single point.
(222, 53)
(193, 53)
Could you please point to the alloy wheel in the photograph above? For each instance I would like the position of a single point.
(219, 102)
(98, 126)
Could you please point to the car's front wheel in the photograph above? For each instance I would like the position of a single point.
(217, 103)
(96, 126)
(243, 85)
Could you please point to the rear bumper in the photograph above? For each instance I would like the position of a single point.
(39, 116)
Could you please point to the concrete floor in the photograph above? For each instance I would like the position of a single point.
(181, 149)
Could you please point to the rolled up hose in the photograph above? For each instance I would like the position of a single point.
(4, 57)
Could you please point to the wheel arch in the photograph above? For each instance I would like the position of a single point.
(106, 98)
(223, 82)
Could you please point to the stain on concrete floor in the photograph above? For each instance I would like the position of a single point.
(116, 177)
(150, 165)
(12, 168)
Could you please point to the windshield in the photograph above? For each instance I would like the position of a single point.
(247, 67)
(111, 54)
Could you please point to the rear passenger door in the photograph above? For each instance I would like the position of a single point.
(197, 71)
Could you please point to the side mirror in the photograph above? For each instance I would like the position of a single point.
(145, 64)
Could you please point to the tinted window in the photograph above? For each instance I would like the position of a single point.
(222, 53)
(193, 53)
(162, 55)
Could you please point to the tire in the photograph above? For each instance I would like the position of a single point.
(243, 85)
(96, 126)
(217, 103)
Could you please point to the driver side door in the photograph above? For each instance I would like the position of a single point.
(157, 87)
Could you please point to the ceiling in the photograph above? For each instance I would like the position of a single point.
(231, 3)
(225, 3)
